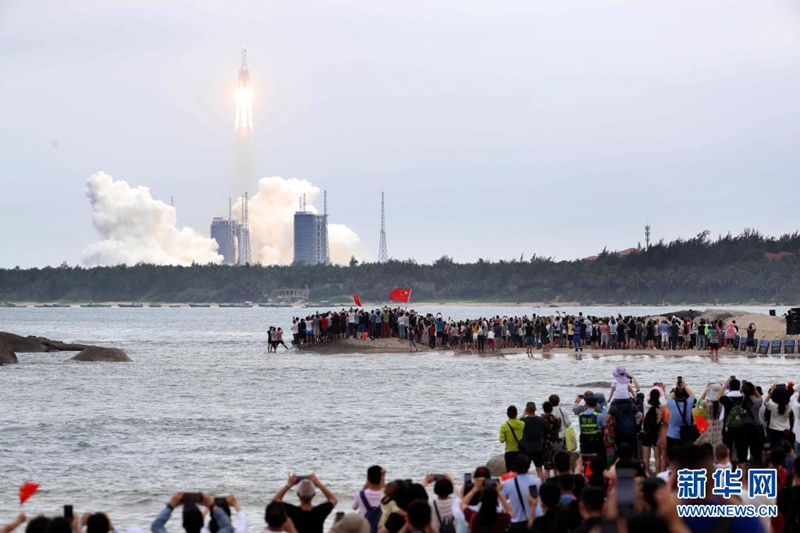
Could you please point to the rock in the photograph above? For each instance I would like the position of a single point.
(497, 465)
(100, 354)
(594, 385)
(38, 344)
(7, 355)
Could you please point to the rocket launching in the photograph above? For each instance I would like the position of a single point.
(244, 101)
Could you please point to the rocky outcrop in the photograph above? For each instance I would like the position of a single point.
(7, 355)
(104, 355)
(497, 465)
(11, 344)
(33, 344)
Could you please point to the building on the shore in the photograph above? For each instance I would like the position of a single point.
(311, 236)
(226, 232)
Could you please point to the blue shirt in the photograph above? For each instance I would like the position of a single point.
(521, 510)
(675, 421)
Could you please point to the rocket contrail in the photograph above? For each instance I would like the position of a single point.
(244, 100)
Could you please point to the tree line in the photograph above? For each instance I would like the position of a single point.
(730, 269)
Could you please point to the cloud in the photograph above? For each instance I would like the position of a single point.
(271, 212)
(137, 228)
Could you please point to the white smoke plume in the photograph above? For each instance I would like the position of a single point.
(140, 229)
(271, 213)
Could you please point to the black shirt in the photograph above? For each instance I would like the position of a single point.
(309, 521)
(532, 434)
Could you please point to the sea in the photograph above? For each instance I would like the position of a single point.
(203, 406)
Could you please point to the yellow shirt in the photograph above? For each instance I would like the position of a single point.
(508, 438)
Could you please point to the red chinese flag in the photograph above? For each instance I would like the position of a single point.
(400, 295)
(701, 423)
(26, 491)
(357, 300)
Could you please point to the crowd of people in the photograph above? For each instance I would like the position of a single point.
(489, 334)
(620, 472)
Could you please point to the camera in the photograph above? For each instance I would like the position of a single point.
(192, 498)
(437, 477)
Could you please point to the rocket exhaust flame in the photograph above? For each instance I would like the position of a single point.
(244, 100)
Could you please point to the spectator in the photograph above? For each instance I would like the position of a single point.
(592, 423)
(533, 437)
(680, 408)
(487, 519)
(351, 523)
(442, 505)
(591, 508)
(517, 489)
(308, 518)
(192, 516)
(549, 496)
(277, 519)
(511, 433)
(551, 443)
(419, 516)
(40, 524)
(367, 501)
(562, 415)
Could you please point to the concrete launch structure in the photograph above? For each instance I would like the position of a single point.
(311, 245)
(232, 236)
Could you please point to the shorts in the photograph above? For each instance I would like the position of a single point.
(528, 340)
(648, 440)
(751, 343)
(537, 458)
(545, 340)
(713, 345)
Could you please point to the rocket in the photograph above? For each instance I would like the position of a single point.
(244, 100)
(244, 74)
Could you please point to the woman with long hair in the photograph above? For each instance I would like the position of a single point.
(487, 519)
(779, 428)
(651, 433)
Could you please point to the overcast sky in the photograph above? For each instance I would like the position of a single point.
(495, 128)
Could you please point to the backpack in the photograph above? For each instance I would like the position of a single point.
(736, 416)
(650, 424)
(446, 525)
(373, 514)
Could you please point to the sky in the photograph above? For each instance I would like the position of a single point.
(494, 128)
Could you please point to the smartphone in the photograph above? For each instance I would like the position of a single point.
(221, 502)
(68, 513)
(626, 490)
(680, 379)
(192, 497)
(409, 482)
(437, 477)
(300, 479)
(490, 482)
(339, 516)
(534, 490)
(467, 478)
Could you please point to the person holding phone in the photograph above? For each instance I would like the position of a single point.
(487, 519)
(517, 488)
(192, 516)
(307, 518)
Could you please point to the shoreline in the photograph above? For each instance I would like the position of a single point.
(699, 306)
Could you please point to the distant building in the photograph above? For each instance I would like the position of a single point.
(305, 238)
(311, 236)
(226, 233)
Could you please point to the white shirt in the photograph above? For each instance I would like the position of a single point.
(373, 497)
(794, 405)
(778, 422)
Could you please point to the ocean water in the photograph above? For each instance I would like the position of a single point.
(204, 407)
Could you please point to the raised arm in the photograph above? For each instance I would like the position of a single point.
(468, 496)
(160, 523)
(328, 494)
(289, 484)
(18, 521)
